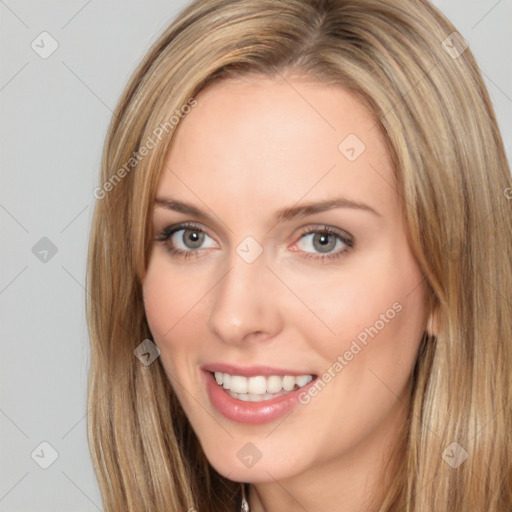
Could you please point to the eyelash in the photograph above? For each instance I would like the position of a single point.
(165, 234)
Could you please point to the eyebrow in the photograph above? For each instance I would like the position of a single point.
(285, 214)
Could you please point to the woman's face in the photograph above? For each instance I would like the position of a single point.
(286, 255)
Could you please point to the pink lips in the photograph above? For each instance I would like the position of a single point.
(251, 413)
(251, 371)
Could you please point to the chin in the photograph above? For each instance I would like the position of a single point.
(263, 471)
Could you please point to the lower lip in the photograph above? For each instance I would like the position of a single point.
(251, 413)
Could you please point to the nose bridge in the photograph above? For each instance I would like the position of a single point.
(243, 301)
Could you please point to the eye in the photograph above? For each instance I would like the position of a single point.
(188, 240)
(324, 243)
(185, 240)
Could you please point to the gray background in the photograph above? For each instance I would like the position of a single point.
(55, 113)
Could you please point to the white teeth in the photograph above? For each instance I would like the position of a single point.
(256, 385)
(303, 380)
(288, 382)
(254, 388)
(226, 378)
(238, 384)
(274, 384)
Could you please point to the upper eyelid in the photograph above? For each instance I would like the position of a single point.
(325, 228)
(173, 228)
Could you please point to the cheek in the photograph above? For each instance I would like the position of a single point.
(169, 298)
(373, 315)
(378, 323)
(158, 303)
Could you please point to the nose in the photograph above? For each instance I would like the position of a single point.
(245, 303)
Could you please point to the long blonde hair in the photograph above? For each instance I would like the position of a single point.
(408, 65)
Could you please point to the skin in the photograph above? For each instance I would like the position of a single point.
(250, 147)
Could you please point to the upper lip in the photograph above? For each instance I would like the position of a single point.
(251, 371)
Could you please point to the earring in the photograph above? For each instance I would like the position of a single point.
(245, 505)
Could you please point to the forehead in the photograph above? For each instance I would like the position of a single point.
(277, 141)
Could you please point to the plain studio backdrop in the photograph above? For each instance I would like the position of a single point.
(64, 65)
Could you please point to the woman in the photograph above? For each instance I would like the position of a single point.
(300, 268)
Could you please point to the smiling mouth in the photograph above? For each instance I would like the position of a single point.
(260, 388)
